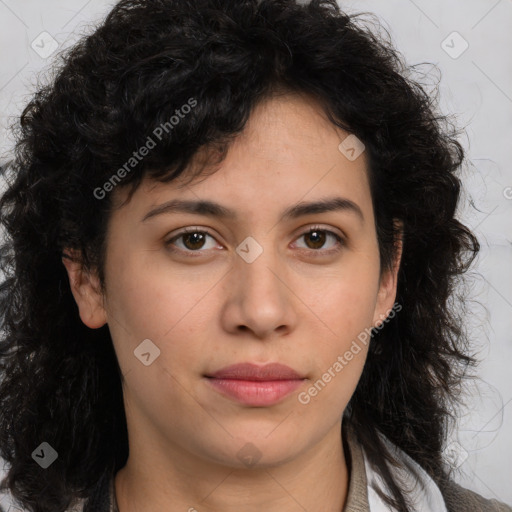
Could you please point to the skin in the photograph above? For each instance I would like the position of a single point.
(215, 309)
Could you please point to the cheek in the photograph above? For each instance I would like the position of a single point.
(346, 301)
(345, 306)
(346, 314)
(151, 300)
(146, 295)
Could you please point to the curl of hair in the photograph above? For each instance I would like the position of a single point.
(61, 382)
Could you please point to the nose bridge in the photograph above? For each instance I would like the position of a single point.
(259, 298)
(256, 265)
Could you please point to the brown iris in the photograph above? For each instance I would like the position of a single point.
(319, 237)
(197, 238)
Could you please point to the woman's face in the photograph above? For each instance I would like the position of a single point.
(251, 287)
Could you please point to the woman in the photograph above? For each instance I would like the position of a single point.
(231, 246)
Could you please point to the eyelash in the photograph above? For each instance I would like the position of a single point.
(340, 242)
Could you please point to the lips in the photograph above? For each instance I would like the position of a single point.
(249, 371)
(257, 386)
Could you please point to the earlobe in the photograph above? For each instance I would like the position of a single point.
(86, 291)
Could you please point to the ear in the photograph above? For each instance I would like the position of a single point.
(388, 283)
(86, 290)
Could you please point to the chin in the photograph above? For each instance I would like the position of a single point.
(253, 450)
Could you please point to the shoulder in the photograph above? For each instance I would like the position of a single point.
(459, 499)
(425, 494)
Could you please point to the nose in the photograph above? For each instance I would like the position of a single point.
(259, 299)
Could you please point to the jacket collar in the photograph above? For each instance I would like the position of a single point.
(357, 496)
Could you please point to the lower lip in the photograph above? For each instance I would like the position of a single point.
(256, 393)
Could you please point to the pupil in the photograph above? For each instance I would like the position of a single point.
(320, 238)
(198, 239)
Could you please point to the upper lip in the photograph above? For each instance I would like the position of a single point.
(250, 371)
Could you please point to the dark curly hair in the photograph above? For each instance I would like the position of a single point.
(61, 381)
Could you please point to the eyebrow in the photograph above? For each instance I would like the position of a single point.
(212, 209)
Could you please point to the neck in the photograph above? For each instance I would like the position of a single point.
(176, 480)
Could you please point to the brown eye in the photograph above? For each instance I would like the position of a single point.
(192, 240)
(317, 237)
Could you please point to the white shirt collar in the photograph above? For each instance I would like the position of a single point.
(424, 494)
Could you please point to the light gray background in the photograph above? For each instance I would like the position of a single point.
(476, 85)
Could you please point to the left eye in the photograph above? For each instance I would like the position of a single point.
(318, 236)
(194, 240)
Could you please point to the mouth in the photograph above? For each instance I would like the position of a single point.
(253, 385)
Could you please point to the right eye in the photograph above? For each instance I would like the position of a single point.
(193, 240)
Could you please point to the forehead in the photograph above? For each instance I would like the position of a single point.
(288, 152)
